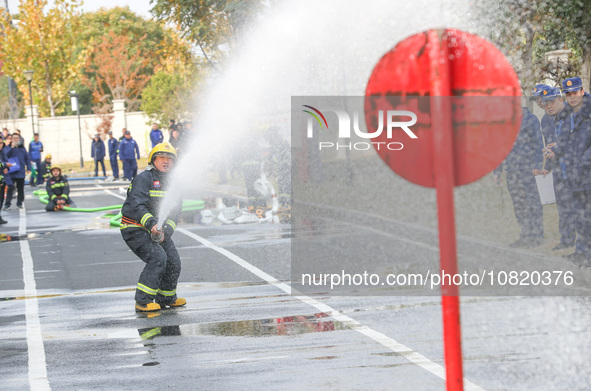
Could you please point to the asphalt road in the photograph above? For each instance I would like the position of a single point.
(67, 320)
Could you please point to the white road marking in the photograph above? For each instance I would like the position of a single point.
(37, 366)
(113, 194)
(397, 347)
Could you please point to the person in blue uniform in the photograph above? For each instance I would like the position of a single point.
(573, 149)
(113, 148)
(539, 92)
(17, 151)
(35, 149)
(156, 135)
(525, 157)
(4, 177)
(553, 103)
(97, 151)
(128, 151)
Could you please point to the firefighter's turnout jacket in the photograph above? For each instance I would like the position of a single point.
(57, 187)
(141, 208)
(140, 211)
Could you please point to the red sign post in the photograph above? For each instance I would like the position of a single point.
(464, 138)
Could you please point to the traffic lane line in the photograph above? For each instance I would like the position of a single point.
(397, 347)
(37, 365)
(113, 194)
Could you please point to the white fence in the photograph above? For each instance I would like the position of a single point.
(60, 134)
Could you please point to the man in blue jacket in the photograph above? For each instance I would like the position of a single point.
(35, 149)
(573, 148)
(156, 135)
(525, 157)
(553, 104)
(113, 149)
(97, 151)
(539, 95)
(5, 180)
(18, 152)
(127, 147)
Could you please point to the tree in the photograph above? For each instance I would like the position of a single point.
(212, 25)
(168, 96)
(5, 110)
(127, 50)
(569, 21)
(526, 29)
(118, 69)
(514, 26)
(44, 43)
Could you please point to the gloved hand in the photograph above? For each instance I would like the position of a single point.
(157, 235)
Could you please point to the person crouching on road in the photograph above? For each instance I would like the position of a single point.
(58, 191)
(156, 287)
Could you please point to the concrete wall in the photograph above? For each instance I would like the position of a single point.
(60, 134)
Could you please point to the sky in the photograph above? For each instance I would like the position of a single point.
(141, 7)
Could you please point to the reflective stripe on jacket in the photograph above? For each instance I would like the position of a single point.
(142, 205)
(57, 187)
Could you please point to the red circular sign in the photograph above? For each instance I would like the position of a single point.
(485, 104)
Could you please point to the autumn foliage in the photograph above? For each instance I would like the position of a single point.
(116, 69)
(45, 42)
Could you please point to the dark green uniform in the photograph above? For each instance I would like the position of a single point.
(140, 211)
(57, 189)
(45, 170)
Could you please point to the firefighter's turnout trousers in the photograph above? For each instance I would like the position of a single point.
(163, 267)
(140, 213)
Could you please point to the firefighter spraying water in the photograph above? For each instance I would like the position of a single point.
(148, 239)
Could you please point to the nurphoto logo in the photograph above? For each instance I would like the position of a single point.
(393, 120)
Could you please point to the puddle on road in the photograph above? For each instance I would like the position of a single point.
(289, 325)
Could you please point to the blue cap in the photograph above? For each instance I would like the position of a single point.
(537, 91)
(572, 84)
(551, 94)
